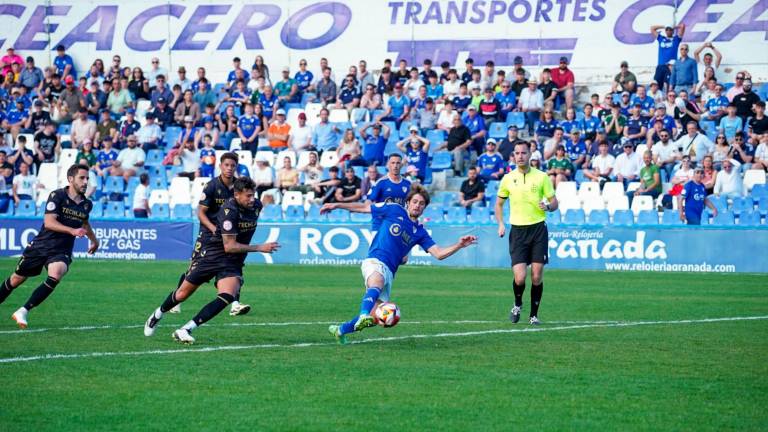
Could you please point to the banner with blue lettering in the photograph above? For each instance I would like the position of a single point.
(595, 35)
(119, 240)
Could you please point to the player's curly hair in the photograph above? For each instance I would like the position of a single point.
(244, 183)
(418, 189)
(231, 156)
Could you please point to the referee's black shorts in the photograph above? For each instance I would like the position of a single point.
(529, 243)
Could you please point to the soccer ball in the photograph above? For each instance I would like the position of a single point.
(387, 315)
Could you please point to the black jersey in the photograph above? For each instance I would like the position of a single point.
(214, 195)
(232, 220)
(68, 213)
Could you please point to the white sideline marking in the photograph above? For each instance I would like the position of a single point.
(269, 324)
(372, 340)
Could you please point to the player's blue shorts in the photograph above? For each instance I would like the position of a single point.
(371, 266)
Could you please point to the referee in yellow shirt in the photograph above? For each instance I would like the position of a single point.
(530, 194)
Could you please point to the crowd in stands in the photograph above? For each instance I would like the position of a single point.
(325, 132)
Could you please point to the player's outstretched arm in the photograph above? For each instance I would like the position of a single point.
(442, 253)
(94, 245)
(52, 223)
(231, 245)
(357, 207)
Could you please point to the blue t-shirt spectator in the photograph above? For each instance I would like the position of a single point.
(713, 104)
(303, 80)
(731, 126)
(61, 62)
(667, 47)
(248, 125)
(574, 150)
(474, 124)
(435, 92)
(268, 103)
(347, 95)
(461, 102)
(398, 105)
(105, 158)
(569, 125)
(324, 136)
(508, 99)
(590, 125)
(546, 128)
(419, 159)
(694, 195)
(489, 164)
(667, 121)
(373, 149)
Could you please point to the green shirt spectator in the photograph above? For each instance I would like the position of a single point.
(647, 177)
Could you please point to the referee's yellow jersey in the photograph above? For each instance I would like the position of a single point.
(525, 192)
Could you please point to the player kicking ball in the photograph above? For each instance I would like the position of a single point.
(66, 217)
(399, 232)
(221, 255)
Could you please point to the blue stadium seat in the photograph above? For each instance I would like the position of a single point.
(574, 217)
(443, 199)
(723, 218)
(599, 217)
(294, 213)
(133, 182)
(671, 217)
(338, 215)
(360, 217)
(433, 213)
(404, 132)
(721, 203)
(313, 215)
(580, 177)
(98, 210)
(436, 137)
(26, 208)
(759, 191)
(154, 158)
(750, 218)
(491, 190)
(160, 212)
(456, 214)
(623, 218)
(172, 171)
(441, 160)
(552, 218)
(41, 208)
(516, 118)
(480, 215)
(181, 211)
(64, 129)
(272, 213)
(114, 210)
(648, 217)
(706, 215)
(171, 135)
(497, 131)
(762, 206)
(114, 184)
(741, 204)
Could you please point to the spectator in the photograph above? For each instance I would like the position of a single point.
(531, 102)
(38, 118)
(160, 90)
(590, 124)
(188, 107)
(128, 127)
(150, 134)
(627, 165)
(684, 172)
(477, 128)
(15, 119)
(188, 156)
(564, 79)
(458, 142)
(25, 184)
(371, 176)
(490, 108)
(155, 71)
(259, 65)
(745, 101)
(300, 138)
(31, 76)
(349, 96)
(181, 80)
(64, 64)
(667, 122)
(349, 189)
(716, 106)
(119, 98)
(106, 128)
(375, 142)
(279, 132)
(665, 153)
(303, 77)
(386, 82)
(722, 150)
(204, 95)
(650, 179)
(560, 168)
(518, 67)
(576, 149)
(207, 158)
(547, 125)
(729, 182)
(551, 144)
(413, 84)
(416, 150)
(10, 59)
(326, 189)
(491, 163)
(738, 87)
(646, 102)
(635, 131)
(425, 118)
(370, 99)
(138, 85)
(47, 144)
(570, 123)
(707, 61)
(710, 174)
(445, 118)
(730, 124)
(20, 155)
(624, 80)
(614, 124)
(324, 133)
(195, 86)
(95, 101)
(507, 146)
(521, 82)
(668, 44)
(312, 171)
(434, 89)
(397, 107)
(602, 165)
(83, 128)
(130, 160)
(141, 208)
(286, 89)
(472, 190)
(178, 96)
(655, 93)
(235, 74)
(761, 154)
(326, 88)
(106, 158)
(263, 175)
(287, 176)
(743, 153)
(248, 128)
(695, 144)
(758, 125)
(6, 183)
(268, 103)
(349, 150)
(684, 72)
(693, 198)
(462, 100)
(115, 69)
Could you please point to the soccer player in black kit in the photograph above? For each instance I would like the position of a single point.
(66, 217)
(215, 193)
(220, 255)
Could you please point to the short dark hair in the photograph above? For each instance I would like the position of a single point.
(231, 156)
(418, 189)
(144, 178)
(397, 155)
(333, 169)
(21, 138)
(244, 183)
(72, 171)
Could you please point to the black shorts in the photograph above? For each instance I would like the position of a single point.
(529, 244)
(32, 261)
(202, 269)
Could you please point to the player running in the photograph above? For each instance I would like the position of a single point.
(215, 193)
(66, 217)
(530, 194)
(392, 188)
(220, 255)
(400, 230)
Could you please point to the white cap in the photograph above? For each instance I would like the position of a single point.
(188, 119)
(280, 112)
(413, 128)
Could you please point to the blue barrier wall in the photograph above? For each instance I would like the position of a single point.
(650, 248)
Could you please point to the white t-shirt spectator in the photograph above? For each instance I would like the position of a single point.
(263, 176)
(128, 157)
(727, 184)
(445, 119)
(532, 100)
(601, 163)
(140, 198)
(451, 89)
(190, 160)
(149, 132)
(301, 137)
(627, 165)
(25, 185)
(683, 175)
(664, 151)
(697, 146)
(761, 153)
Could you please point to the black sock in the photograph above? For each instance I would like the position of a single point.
(519, 290)
(41, 293)
(213, 308)
(169, 303)
(237, 296)
(536, 292)
(5, 290)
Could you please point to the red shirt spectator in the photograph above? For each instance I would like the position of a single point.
(10, 58)
(562, 76)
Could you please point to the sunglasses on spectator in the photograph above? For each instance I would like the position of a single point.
(155, 62)
(739, 77)
(302, 64)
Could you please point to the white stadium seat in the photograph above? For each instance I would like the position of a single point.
(329, 159)
(292, 198)
(67, 158)
(235, 144)
(338, 116)
(589, 191)
(159, 196)
(566, 189)
(179, 191)
(267, 155)
(48, 176)
(642, 202)
(313, 113)
(617, 202)
(633, 186)
(198, 184)
(303, 159)
(612, 189)
(245, 157)
(593, 203)
(753, 177)
(219, 154)
(568, 202)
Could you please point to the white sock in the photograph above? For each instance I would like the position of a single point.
(190, 326)
(235, 304)
(158, 313)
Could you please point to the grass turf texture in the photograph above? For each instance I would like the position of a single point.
(705, 376)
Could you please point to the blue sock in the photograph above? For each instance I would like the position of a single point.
(369, 300)
(348, 327)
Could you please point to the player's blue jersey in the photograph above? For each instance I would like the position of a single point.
(387, 191)
(397, 236)
(248, 125)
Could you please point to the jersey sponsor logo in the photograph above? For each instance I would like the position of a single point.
(395, 230)
(51, 206)
(202, 197)
(227, 225)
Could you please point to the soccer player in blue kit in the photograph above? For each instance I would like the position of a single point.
(400, 231)
(392, 188)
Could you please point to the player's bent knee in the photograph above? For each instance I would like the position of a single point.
(17, 279)
(226, 297)
(51, 282)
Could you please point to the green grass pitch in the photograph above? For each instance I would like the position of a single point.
(277, 369)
